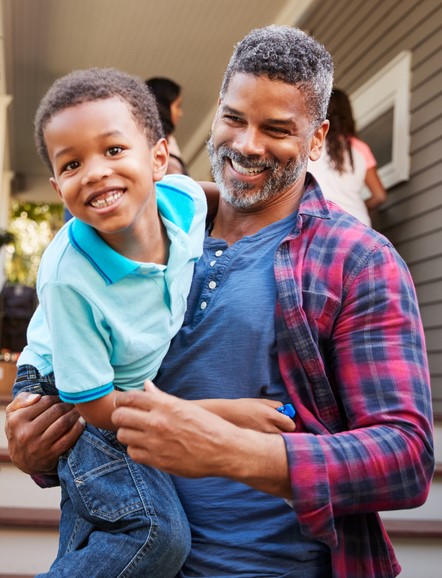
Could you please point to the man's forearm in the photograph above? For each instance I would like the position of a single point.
(260, 460)
(184, 439)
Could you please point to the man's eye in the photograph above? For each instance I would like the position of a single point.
(278, 131)
(233, 119)
(114, 151)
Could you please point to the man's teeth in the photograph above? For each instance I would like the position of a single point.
(106, 200)
(246, 170)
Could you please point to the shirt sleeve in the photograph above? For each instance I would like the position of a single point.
(365, 151)
(378, 369)
(81, 343)
(196, 231)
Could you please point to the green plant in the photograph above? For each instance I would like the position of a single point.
(31, 228)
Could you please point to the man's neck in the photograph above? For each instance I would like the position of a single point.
(233, 224)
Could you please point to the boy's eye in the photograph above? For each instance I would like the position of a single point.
(112, 151)
(71, 166)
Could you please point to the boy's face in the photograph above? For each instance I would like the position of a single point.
(104, 168)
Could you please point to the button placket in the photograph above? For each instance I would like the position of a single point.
(211, 284)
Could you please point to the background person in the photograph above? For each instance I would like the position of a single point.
(170, 101)
(347, 164)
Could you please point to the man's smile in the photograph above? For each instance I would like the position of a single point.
(256, 170)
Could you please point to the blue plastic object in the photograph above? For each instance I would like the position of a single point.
(287, 409)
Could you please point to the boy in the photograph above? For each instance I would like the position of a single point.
(112, 287)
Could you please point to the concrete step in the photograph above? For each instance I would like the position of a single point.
(431, 510)
(419, 558)
(27, 552)
(19, 490)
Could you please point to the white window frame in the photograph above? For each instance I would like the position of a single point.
(389, 88)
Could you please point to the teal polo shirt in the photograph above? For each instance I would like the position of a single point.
(106, 321)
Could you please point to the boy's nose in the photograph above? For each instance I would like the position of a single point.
(95, 171)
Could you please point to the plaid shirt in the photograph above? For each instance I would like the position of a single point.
(352, 355)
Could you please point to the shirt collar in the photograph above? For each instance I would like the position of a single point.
(177, 211)
(110, 265)
(313, 202)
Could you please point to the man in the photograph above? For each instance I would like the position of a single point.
(293, 300)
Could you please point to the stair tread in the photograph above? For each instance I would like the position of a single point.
(29, 517)
(412, 528)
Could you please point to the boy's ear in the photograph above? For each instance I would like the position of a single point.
(56, 187)
(317, 141)
(160, 159)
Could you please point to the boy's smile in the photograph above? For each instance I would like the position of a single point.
(105, 169)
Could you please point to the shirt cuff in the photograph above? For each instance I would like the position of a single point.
(46, 480)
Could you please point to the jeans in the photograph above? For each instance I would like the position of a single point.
(118, 518)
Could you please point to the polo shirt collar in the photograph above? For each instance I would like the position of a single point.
(177, 210)
(110, 265)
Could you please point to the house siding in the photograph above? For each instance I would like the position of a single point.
(363, 37)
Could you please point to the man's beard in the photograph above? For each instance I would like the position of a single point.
(243, 195)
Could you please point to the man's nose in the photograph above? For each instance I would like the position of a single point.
(95, 170)
(249, 142)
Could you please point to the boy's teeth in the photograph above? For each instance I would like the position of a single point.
(246, 171)
(105, 200)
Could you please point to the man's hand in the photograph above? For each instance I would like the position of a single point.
(39, 430)
(253, 413)
(182, 438)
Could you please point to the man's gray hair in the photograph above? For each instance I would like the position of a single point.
(289, 55)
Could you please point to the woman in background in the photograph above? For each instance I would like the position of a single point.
(169, 100)
(347, 164)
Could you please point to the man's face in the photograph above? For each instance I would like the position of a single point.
(261, 141)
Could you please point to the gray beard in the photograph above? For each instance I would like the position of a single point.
(238, 193)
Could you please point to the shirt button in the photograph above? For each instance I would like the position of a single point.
(218, 253)
(212, 285)
(203, 305)
(212, 263)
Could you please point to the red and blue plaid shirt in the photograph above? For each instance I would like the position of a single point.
(352, 355)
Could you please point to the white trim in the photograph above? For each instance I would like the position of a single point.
(389, 88)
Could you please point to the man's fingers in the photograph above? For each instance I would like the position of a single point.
(23, 399)
(142, 399)
(53, 415)
(130, 417)
(64, 433)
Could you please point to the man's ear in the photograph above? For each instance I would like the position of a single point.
(317, 141)
(56, 187)
(160, 159)
(215, 116)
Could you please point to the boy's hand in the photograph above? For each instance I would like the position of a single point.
(39, 430)
(253, 413)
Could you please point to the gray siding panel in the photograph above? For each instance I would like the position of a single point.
(434, 339)
(424, 115)
(428, 135)
(427, 270)
(363, 37)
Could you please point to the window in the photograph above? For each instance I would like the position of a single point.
(381, 111)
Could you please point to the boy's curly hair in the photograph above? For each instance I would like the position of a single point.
(97, 84)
